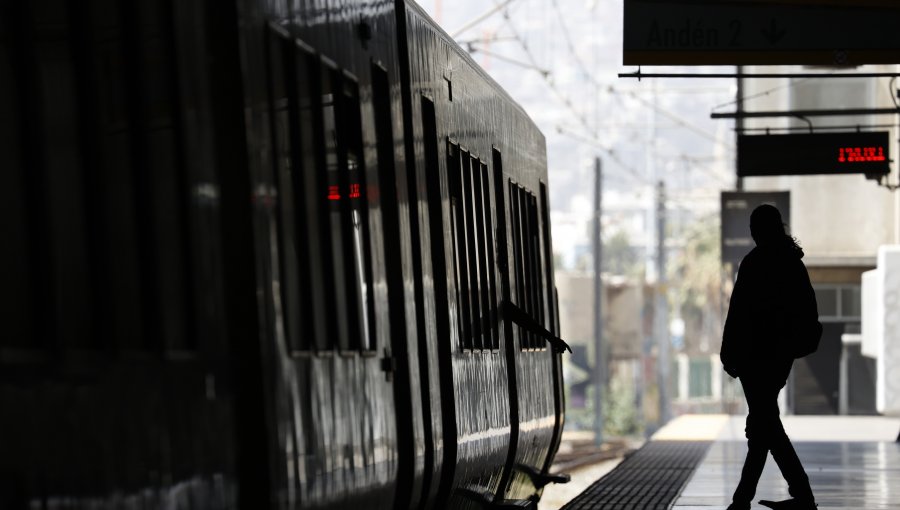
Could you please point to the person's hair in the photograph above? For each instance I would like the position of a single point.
(767, 229)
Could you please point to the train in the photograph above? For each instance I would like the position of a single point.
(268, 254)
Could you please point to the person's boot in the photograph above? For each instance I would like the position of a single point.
(790, 504)
(738, 506)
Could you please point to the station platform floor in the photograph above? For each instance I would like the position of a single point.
(694, 463)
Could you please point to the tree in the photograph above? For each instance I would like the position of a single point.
(618, 255)
(696, 275)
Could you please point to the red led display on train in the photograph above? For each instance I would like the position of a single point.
(335, 194)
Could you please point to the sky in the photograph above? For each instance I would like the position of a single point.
(560, 60)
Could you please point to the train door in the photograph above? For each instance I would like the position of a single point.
(482, 415)
(445, 328)
(403, 275)
(334, 406)
(552, 316)
(534, 370)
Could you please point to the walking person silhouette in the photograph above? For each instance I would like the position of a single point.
(772, 294)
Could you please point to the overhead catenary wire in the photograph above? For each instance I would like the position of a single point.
(675, 118)
(611, 153)
(547, 75)
(763, 93)
(508, 60)
(478, 19)
(562, 97)
(580, 63)
(892, 92)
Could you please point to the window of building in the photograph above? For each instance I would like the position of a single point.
(838, 301)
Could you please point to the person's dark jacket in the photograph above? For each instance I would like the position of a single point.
(772, 290)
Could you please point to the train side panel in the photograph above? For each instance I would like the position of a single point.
(117, 386)
(326, 128)
(261, 251)
(500, 404)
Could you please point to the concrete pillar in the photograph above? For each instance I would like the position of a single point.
(684, 374)
(888, 376)
(716, 376)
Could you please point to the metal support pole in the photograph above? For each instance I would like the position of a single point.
(599, 354)
(739, 125)
(661, 309)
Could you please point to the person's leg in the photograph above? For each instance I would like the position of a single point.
(757, 447)
(770, 432)
(789, 463)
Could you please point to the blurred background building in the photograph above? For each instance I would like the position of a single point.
(559, 59)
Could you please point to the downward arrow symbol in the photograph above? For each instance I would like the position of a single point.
(773, 34)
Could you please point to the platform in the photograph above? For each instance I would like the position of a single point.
(694, 463)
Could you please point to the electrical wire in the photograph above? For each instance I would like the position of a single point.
(481, 17)
(587, 73)
(567, 102)
(513, 61)
(580, 63)
(790, 84)
(611, 153)
(891, 91)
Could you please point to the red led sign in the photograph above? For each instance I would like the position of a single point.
(860, 154)
(334, 192)
(814, 154)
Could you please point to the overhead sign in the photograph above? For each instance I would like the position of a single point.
(738, 32)
(814, 153)
(736, 209)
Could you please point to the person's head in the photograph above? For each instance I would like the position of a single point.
(766, 226)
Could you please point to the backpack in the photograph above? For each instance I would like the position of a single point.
(805, 334)
(804, 327)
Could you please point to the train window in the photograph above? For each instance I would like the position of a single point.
(310, 205)
(291, 277)
(468, 194)
(527, 255)
(489, 282)
(485, 264)
(330, 225)
(517, 254)
(525, 240)
(548, 260)
(16, 312)
(117, 200)
(473, 245)
(166, 169)
(537, 302)
(344, 213)
(457, 219)
(536, 278)
(355, 214)
(501, 245)
(66, 208)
